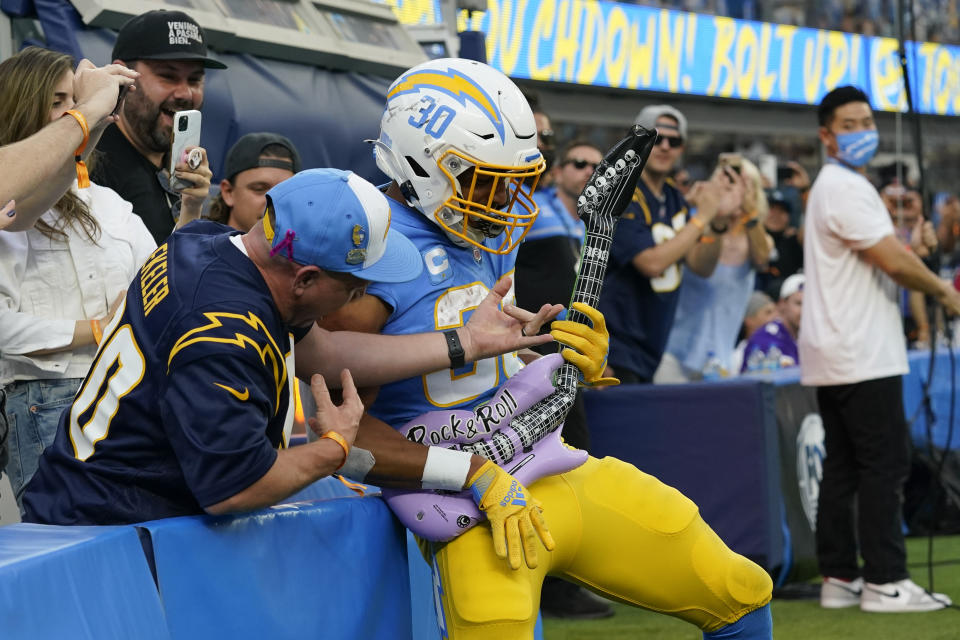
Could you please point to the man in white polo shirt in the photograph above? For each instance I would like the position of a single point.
(852, 349)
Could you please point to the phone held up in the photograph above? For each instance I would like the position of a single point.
(186, 133)
(120, 97)
(732, 160)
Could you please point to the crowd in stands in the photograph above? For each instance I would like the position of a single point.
(934, 20)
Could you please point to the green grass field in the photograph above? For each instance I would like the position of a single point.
(803, 619)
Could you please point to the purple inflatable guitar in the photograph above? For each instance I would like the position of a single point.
(519, 428)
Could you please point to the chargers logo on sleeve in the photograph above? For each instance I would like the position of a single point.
(239, 330)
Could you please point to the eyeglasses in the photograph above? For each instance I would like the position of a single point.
(673, 141)
(581, 164)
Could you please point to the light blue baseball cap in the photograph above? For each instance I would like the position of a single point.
(338, 221)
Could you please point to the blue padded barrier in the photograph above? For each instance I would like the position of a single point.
(334, 569)
(326, 489)
(83, 583)
(940, 392)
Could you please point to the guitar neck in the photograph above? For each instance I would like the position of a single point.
(586, 289)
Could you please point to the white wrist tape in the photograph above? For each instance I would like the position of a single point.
(445, 469)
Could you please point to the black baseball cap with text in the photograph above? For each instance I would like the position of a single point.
(163, 35)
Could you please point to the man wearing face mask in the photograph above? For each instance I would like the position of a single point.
(852, 349)
(169, 50)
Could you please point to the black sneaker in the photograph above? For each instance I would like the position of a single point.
(562, 599)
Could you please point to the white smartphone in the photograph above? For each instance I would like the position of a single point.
(186, 133)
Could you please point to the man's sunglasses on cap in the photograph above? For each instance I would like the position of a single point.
(579, 163)
(673, 141)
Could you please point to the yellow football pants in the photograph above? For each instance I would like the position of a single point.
(620, 533)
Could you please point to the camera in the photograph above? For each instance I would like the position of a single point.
(183, 123)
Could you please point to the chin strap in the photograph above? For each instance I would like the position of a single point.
(409, 193)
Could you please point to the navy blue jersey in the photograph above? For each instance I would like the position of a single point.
(454, 281)
(188, 398)
(639, 310)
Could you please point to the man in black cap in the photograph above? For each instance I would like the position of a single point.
(256, 163)
(167, 48)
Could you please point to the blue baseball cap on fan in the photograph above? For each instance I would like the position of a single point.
(338, 221)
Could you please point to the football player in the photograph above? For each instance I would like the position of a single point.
(459, 143)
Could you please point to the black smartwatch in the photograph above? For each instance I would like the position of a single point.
(454, 349)
(717, 230)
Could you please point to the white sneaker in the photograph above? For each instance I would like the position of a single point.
(839, 594)
(901, 596)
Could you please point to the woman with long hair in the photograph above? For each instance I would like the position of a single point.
(62, 279)
(710, 310)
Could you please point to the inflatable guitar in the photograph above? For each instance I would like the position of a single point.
(538, 397)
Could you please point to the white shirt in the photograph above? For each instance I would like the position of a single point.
(850, 330)
(46, 285)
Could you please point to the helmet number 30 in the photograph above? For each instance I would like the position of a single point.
(433, 119)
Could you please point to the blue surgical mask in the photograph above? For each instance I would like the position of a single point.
(857, 147)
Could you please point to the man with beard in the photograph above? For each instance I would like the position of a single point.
(167, 48)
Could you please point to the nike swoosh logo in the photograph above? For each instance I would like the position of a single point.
(855, 592)
(242, 397)
(895, 594)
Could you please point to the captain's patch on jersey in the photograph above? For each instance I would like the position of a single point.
(437, 263)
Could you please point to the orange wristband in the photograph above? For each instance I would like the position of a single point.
(336, 437)
(707, 239)
(699, 223)
(83, 178)
(97, 331)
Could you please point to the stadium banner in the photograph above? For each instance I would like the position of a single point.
(801, 469)
(624, 46)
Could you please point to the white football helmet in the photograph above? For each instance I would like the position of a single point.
(460, 139)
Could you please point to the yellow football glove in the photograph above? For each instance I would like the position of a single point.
(513, 513)
(588, 345)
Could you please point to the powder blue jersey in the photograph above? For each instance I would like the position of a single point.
(187, 400)
(453, 283)
(554, 219)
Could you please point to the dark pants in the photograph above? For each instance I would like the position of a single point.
(861, 495)
(626, 376)
(576, 433)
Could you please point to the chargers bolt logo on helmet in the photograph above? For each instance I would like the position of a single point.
(460, 140)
